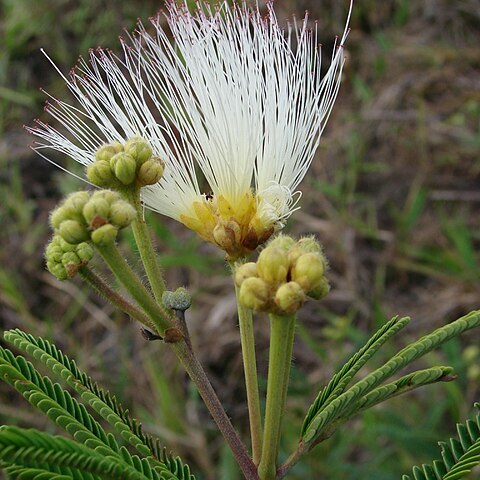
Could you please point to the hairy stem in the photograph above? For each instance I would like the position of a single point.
(204, 387)
(145, 247)
(251, 381)
(282, 331)
(127, 277)
(115, 298)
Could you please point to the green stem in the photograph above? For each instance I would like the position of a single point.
(282, 331)
(204, 387)
(145, 247)
(132, 283)
(245, 321)
(105, 291)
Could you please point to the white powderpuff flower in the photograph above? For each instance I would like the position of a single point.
(235, 102)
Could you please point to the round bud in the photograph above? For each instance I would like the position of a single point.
(53, 252)
(227, 235)
(309, 245)
(150, 172)
(180, 299)
(272, 265)
(74, 202)
(255, 294)
(85, 252)
(124, 167)
(70, 258)
(66, 247)
(308, 271)
(106, 152)
(139, 149)
(73, 232)
(57, 270)
(245, 271)
(284, 242)
(58, 216)
(100, 174)
(122, 214)
(108, 195)
(321, 290)
(104, 235)
(289, 297)
(94, 209)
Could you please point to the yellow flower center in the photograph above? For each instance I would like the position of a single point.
(234, 227)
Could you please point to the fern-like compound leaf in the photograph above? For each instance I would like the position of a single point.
(344, 402)
(100, 401)
(342, 378)
(459, 456)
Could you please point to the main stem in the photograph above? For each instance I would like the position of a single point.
(145, 247)
(245, 321)
(200, 379)
(282, 331)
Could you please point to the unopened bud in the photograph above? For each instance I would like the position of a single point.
(94, 210)
(309, 245)
(57, 270)
(227, 235)
(308, 271)
(150, 172)
(108, 195)
(284, 242)
(106, 152)
(122, 214)
(245, 271)
(321, 290)
(124, 167)
(84, 251)
(272, 265)
(66, 247)
(289, 297)
(100, 174)
(255, 294)
(139, 149)
(70, 258)
(73, 232)
(180, 299)
(75, 201)
(104, 235)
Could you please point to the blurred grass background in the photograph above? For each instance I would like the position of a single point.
(393, 194)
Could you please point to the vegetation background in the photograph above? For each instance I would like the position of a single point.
(393, 195)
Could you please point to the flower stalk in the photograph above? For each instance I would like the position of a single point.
(282, 331)
(251, 381)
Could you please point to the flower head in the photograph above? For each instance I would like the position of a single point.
(235, 107)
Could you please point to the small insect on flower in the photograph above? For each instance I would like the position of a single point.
(236, 102)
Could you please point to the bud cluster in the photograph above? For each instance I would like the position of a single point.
(285, 274)
(117, 165)
(96, 217)
(64, 259)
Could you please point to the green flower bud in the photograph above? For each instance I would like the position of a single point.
(58, 216)
(122, 214)
(74, 202)
(150, 172)
(106, 152)
(309, 245)
(308, 271)
(104, 235)
(108, 195)
(85, 252)
(180, 299)
(73, 231)
(321, 290)
(70, 258)
(272, 265)
(57, 270)
(284, 242)
(245, 271)
(96, 212)
(54, 252)
(124, 167)
(139, 149)
(255, 294)
(66, 247)
(100, 174)
(289, 297)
